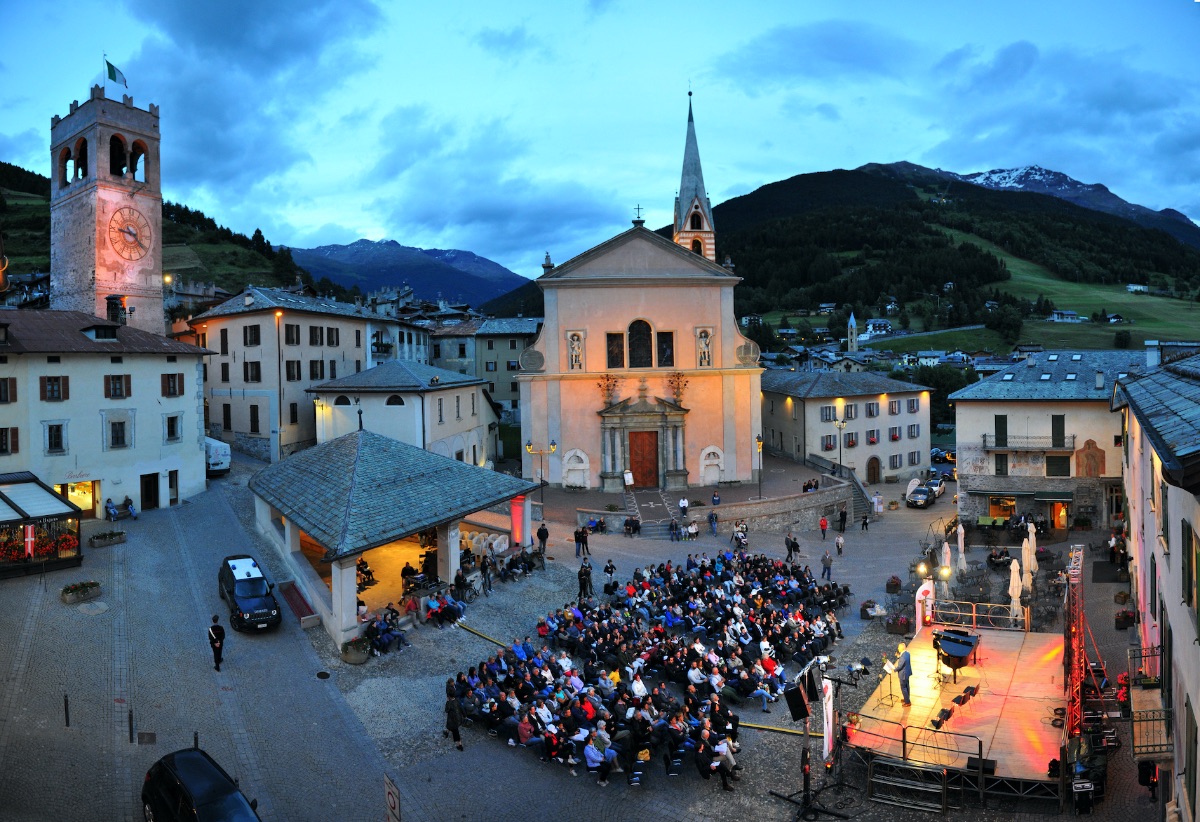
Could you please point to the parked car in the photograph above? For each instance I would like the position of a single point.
(937, 486)
(243, 585)
(189, 784)
(920, 497)
(937, 455)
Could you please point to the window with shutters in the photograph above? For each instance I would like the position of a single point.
(914, 431)
(172, 385)
(224, 342)
(294, 413)
(1002, 465)
(293, 370)
(441, 417)
(8, 389)
(333, 369)
(491, 345)
(55, 389)
(473, 412)
(226, 416)
(9, 441)
(489, 366)
(457, 407)
(316, 370)
(251, 335)
(1188, 571)
(893, 407)
(334, 337)
(1058, 466)
(914, 405)
(252, 371)
(358, 338)
(914, 457)
(291, 333)
(872, 409)
(850, 411)
(896, 461)
(316, 335)
(828, 413)
(224, 372)
(117, 386)
(512, 365)
(254, 419)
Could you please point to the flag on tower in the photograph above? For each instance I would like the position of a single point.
(115, 74)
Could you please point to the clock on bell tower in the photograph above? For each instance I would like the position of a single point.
(106, 212)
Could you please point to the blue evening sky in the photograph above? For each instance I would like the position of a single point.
(512, 129)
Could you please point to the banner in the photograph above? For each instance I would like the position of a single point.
(827, 714)
(29, 541)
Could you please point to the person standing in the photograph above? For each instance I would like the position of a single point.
(791, 545)
(454, 717)
(839, 542)
(578, 541)
(903, 671)
(583, 538)
(712, 519)
(824, 525)
(827, 566)
(216, 641)
(543, 534)
(842, 514)
(583, 575)
(683, 506)
(485, 571)
(610, 571)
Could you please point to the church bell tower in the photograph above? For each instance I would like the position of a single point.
(106, 212)
(693, 212)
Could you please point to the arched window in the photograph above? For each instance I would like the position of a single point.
(64, 168)
(697, 225)
(138, 158)
(697, 246)
(116, 156)
(641, 345)
(342, 400)
(81, 159)
(395, 399)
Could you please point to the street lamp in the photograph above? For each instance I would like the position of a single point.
(840, 425)
(758, 443)
(541, 469)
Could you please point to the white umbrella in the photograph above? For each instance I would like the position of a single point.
(1033, 538)
(962, 538)
(962, 557)
(1014, 589)
(946, 560)
(1027, 562)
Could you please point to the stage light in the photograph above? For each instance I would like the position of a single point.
(922, 569)
(944, 571)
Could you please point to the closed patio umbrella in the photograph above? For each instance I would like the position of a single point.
(946, 561)
(962, 557)
(1027, 564)
(1014, 589)
(1033, 538)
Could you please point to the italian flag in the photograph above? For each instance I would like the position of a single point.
(115, 74)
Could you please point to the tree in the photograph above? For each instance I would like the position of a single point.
(943, 380)
(1005, 321)
(1121, 339)
(258, 242)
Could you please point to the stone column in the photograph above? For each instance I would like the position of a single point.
(344, 592)
(447, 551)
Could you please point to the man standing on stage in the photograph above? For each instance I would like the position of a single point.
(904, 671)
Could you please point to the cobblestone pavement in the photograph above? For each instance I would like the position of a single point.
(312, 749)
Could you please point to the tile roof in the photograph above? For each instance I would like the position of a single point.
(1046, 375)
(269, 299)
(398, 375)
(363, 490)
(62, 332)
(1166, 401)
(466, 328)
(816, 384)
(511, 326)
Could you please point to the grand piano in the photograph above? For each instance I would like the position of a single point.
(954, 647)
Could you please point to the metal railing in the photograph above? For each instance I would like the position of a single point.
(992, 615)
(993, 443)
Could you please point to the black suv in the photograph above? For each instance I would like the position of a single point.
(242, 584)
(190, 785)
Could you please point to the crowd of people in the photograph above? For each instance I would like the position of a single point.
(651, 668)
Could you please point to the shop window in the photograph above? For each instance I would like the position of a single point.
(1003, 507)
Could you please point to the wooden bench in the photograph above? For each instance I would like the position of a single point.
(123, 512)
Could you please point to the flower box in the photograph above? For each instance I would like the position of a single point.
(895, 438)
(79, 592)
(872, 441)
(356, 651)
(106, 539)
(851, 443)
(1149, 683)
(899, 625)
(827, 447)
(865, 608)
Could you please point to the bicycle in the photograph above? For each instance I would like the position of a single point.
(472, 591)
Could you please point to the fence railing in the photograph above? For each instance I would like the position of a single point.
(993, 443)
(992, 615)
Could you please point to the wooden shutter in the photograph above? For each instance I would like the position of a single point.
(66, 388)
(128, 385)
(12, 389)
(179, 385)
(162, 378)
(14, 440)
(107, 386)
(42, 388)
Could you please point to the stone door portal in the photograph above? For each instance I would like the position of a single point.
(643, 458)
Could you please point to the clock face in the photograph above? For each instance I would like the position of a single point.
(129, 233)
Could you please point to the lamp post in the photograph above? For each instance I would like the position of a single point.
(758, 444)
(541, 469)
(840, 425)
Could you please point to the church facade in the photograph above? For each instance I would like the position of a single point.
(640, 376)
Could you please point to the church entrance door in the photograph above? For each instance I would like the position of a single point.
(643, 458)
(872, 470)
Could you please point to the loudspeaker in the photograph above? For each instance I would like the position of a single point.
(812, 684)
(797, 702)
(989, 765)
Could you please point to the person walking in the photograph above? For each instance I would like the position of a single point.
(791, 546)
(824, 524)
(454, 717)
(839, 542)
(543, 534)
(866, 522)
(216, 641)
(842, 514)
(827, 566)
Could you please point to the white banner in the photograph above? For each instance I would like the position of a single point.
(827, 704)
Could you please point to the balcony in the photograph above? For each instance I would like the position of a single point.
(384, 348)
(1065, 443)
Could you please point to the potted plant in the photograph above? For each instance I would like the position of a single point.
(80, 592)
(865, 608)
(894, 505)
(356, 651)
(106, 538)
(898, 624)
(1124, 619)
(1123, 701)
(1149, 683)
(893, 585)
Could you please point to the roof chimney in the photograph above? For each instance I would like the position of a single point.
(1099, 380)
(1153, 354)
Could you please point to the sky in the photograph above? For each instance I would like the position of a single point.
(516, 129)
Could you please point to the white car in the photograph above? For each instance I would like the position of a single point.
(937, 486)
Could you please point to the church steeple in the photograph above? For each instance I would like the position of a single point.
(693, 212)
(852, 334)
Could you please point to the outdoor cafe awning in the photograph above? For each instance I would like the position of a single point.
(23, 497)
(1054, 496)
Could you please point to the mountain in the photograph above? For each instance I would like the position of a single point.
(1038, 180)
(456, 276)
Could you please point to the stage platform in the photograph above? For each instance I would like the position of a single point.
(1019, 677)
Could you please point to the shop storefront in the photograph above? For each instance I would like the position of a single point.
(39, 528)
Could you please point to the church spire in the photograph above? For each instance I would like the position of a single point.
(693, 211)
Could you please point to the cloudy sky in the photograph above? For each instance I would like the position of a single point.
(512, 129)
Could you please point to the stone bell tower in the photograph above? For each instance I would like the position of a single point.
(694, 228)
(106, 212)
